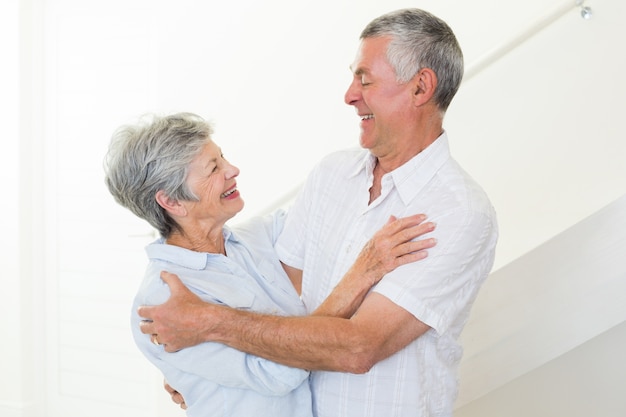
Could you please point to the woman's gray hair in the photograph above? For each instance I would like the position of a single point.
(421, 40)
(154, 155)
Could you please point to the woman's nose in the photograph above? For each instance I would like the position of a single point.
(231, 171)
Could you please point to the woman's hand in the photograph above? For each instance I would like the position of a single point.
(395, 245)
(391, 247)
(176, 396)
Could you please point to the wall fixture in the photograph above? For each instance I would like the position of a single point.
(585, 11)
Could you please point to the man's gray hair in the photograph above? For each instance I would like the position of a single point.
(421, 40)
(154, 155)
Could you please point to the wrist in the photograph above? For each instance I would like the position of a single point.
(369, 277)
(210, 319)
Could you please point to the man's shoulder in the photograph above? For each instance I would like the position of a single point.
(453, 190)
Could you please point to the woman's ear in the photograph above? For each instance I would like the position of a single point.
(169, 204)
(425, 83)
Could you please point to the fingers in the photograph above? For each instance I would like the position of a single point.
(145, 312)
(170, 348)
(410, 257)
(395, 225)
(176, 286)
(397, 243)
(176, 396)
(419, 231)
(394, 236)
(409, 233)
(172, 280)
(168, 387)
(146, 326)
(406, 241)
(404, 244)
(414, 246)
(391, 219)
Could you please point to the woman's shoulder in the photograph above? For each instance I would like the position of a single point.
(262, 230)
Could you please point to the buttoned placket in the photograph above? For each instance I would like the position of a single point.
(359, 232)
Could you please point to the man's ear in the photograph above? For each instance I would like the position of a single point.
(425, 83)
(169, 204)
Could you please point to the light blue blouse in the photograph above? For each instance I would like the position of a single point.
(214, 379)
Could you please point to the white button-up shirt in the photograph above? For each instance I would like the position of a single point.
(327, 227)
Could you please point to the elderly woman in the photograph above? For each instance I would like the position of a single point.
(169, 172)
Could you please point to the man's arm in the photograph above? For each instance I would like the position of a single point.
(445, 288)
(389, 248)
(379, 329)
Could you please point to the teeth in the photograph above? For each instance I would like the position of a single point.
(227, 193)
(367, 117)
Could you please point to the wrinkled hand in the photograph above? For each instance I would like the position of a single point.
(177, 323)
(176, 396)
(394, 245)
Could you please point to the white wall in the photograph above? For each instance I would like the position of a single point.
(537, 128)
(562, 294)
(12, 319)
(586, 381)
(21, 323)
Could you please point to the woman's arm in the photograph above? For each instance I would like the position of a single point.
(391, 247)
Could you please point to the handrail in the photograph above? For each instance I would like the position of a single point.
(507, 46)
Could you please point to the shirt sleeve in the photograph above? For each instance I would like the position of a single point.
(229, 367)
(216, 362)
(290, 245)
(262, 229)
(438, 289)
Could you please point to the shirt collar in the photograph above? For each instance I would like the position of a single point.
(411, 177)
(184, 257)
(367, 163)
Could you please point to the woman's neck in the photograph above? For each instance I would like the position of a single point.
(199, 240)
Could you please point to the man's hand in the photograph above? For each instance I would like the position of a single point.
(175, 323)
(176, 396)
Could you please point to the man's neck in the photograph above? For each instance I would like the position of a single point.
(376, 187)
